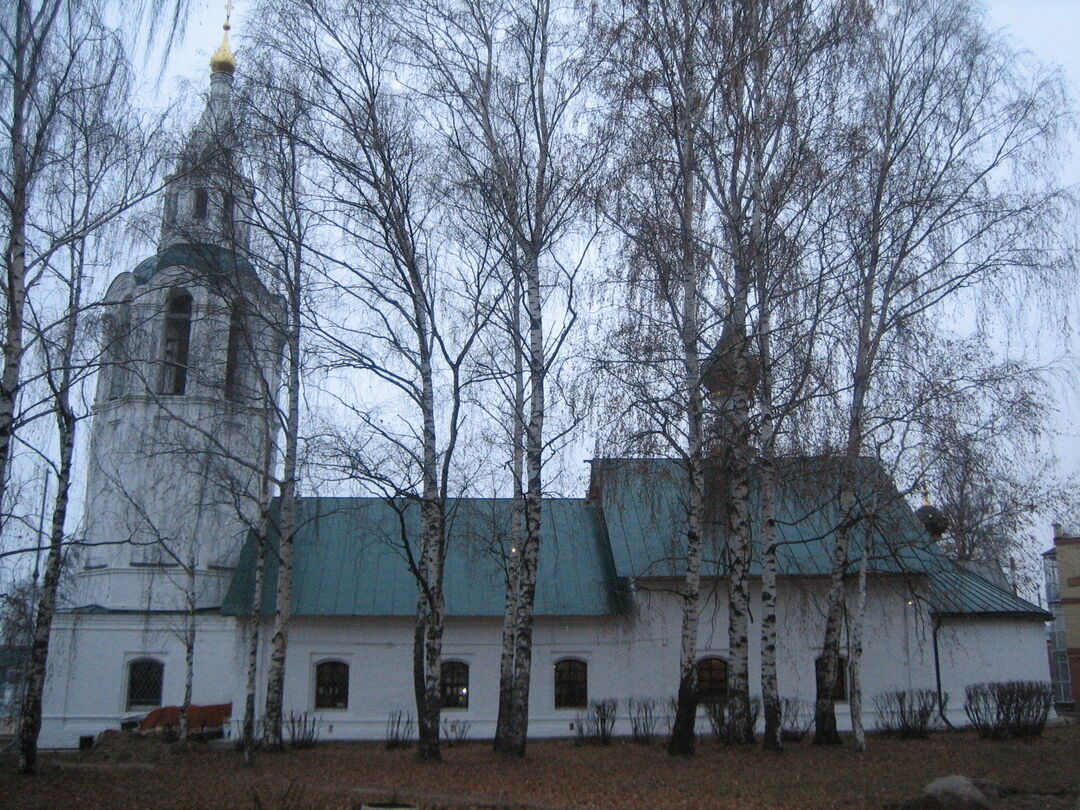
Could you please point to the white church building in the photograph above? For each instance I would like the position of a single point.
(177, 446)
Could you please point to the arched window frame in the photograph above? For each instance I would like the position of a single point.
(330, 694)
(454, 684)
(144, 689)
(711, 673)
(176, 341)
(571, 682)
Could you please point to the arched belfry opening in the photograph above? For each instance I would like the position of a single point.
(177, 343)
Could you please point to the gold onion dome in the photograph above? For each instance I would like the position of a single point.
(223, 60)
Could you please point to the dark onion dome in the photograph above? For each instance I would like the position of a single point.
(933, 519)
(718, 370)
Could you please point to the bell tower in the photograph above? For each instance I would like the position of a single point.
(183, 413)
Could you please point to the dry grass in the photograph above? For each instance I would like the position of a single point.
(555, 774)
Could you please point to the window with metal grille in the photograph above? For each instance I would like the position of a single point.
(177, 343)
(332, 685)
(840, 691)
(711, 680)
(454, 676)
(571, 684)
(144, 683)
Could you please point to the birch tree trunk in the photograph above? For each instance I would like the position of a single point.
(275, 687)
(513, 557)
(770, 692)
(427, 649)
(255, 620)
(683, 736)
(26, 79)
(855, 658)
(30, 715)
(188, 637)
(525, 590)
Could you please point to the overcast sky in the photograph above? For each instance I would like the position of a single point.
(1048, 29)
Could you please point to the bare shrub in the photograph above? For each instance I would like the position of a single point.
(455, 732)
(796, 719)
(399, 729)
(721, 722)
(643, 718)
(906, 712)
(598, 723)
(602, 719)
(1008, 709)
(671, 707)
(303, 730)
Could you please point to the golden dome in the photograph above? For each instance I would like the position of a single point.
(223, 60)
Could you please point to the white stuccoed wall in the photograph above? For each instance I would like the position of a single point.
(637, 656)
(86, 687)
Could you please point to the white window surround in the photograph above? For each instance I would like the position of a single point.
(322, 658)
(125, 674)
(576, 655)
(459, 659)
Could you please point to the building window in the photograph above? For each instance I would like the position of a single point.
(454, 677)
(227, 212)
(571, 684)
(177, 343)
(712, 680)
(1060, 677)
(233, 365)
(144, 683)
(117, 325)
(202, 203)
(840, 692)
(332, 685)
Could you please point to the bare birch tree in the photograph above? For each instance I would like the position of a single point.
(654, 77)
(99, 159)
(944, 190)
(419, 308)
(509, 77)
(54, 54)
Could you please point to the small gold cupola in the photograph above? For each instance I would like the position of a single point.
(223, 60)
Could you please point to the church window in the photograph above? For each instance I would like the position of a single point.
(116, 327)
(202, 203)
(234, 354)
(454, 677)
(332, 685)
(144, 683)
(571, 684)
(227, 212)
(711, 680)
(177, 343)
(840, 692)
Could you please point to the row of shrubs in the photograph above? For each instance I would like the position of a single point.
(1007, 710)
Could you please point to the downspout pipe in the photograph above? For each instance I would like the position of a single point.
(937, 675)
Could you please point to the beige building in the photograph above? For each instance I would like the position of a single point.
(1062, 565)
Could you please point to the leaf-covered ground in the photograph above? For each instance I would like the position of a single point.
(152, 774)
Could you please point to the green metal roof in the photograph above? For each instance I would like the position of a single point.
(210, 260)
(349, 560)
(955, 591)
(645, 515)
